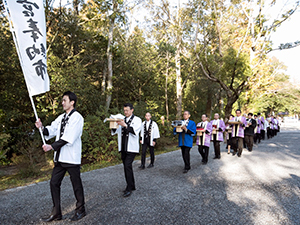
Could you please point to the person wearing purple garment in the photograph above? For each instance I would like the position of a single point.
(229, 134)
(275, 125)
(257, 131)
(217, 134)
(238, 133)
(270, 127)
(203, 139)
(262, 126)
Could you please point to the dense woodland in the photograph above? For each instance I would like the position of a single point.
(163, 56)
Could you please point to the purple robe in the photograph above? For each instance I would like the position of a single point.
(220, 124)
(205, 137)
(238, 129)
(269, 119)
(261, 122)
(258, 127)
(275, 124)
(227, 133)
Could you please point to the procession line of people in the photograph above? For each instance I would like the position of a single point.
(67, 130)
(240, 131)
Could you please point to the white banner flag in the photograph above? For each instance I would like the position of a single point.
(28, 26)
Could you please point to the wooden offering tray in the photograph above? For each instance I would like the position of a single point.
(178, 129)
(199, 131)
(229, 130)
(214, 131)
(113, 123)
(234, 122)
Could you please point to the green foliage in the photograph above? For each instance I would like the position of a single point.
(144, 73)
(97, 142)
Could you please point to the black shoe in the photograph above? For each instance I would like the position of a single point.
(233, 154)
(204, 163)
(127, 190)
(185, 171)
(78, 216)
(150, 165)
(127, 194)
(217, 157)
(52, 218)
(142, 167)
(239, 155)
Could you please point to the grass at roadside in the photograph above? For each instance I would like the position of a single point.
(11, 177)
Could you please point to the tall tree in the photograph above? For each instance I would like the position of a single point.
(234, 42)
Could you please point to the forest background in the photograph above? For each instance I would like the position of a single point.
(205, 56)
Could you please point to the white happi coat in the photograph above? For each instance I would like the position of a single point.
(70, 152)
(154, 132)
(133, 139)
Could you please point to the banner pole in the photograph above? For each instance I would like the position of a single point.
(36, 117)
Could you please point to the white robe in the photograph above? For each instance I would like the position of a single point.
(133, 139)
(154, 132)
(70, 152)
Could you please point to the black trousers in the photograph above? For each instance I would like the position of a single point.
(185, 151)
(203, 150)
(144, 150)
(269, 133)
(263, 134)
(237, 145)
(257, 137)
(127, 158)
(58, 174)
(249, 141)
(217, 149)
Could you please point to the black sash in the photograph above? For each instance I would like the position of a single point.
(64, 122)
(236, 128)
(183, 132)
(147, 133)
(125, 134)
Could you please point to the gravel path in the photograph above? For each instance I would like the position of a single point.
(261, 187)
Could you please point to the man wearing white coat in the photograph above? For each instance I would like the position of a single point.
(149, 135)
(128, 143)
(67, 129)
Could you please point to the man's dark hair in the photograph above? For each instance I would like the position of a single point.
(71, 96)
(251, 114)
(128, 105)
(204, 114)
(258, 114)
(187, 111)
(238, 110)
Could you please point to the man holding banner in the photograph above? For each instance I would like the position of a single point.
(67, 129)
(28, 27)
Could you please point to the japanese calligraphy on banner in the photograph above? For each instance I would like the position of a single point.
(28, 26)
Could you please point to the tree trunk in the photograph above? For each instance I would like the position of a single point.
(178, 84)
(208, 103)
(228, 108)
(103, 84)
(109, 56)
(166, 87)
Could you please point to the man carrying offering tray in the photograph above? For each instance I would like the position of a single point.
(218, 127)
(204, 130)
(239, 122)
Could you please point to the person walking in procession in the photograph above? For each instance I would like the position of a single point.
(67, 128)
(249, 131)
(149, 136)
(238, 133)
(218, 127)
(128, 144)
(185, 139)
(203, 138)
